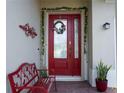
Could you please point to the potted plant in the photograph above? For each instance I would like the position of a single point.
(101, 80)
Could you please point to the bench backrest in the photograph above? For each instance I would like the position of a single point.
(26, 74)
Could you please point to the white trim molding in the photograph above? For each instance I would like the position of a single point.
(68, 78)
(83, 65)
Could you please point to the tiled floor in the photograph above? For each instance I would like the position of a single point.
(77, 87)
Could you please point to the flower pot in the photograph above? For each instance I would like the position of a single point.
(101, 85)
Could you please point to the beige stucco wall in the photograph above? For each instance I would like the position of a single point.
(61, 3)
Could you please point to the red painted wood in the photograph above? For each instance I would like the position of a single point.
(69, 65)
(27, 77)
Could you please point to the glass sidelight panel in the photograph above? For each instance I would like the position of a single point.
(76, 37)
(60, 38)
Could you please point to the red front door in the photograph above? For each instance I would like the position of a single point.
(64, 45)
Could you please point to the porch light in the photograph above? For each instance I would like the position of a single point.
(106, 25)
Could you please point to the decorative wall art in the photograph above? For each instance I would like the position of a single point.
(29, 31)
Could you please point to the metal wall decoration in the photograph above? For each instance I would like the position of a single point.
(29, 31)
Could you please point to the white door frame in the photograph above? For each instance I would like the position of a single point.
(84, 70)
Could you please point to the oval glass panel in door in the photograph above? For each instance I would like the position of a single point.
(60, 38)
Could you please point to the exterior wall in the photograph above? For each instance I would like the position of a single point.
(21, 48)
(90, 41)
(61, 3)
(103, 41)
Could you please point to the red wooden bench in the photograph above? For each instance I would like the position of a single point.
(27, 79)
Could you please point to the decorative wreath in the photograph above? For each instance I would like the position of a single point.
(61, 29)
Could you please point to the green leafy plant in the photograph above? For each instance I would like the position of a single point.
(102, 70)
(43, 73)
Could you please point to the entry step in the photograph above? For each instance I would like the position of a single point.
(68, 78)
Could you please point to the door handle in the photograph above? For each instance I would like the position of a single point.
(69, 43)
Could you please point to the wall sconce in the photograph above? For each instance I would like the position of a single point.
(106, 26)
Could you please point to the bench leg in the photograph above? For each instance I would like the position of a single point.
(55, 86)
